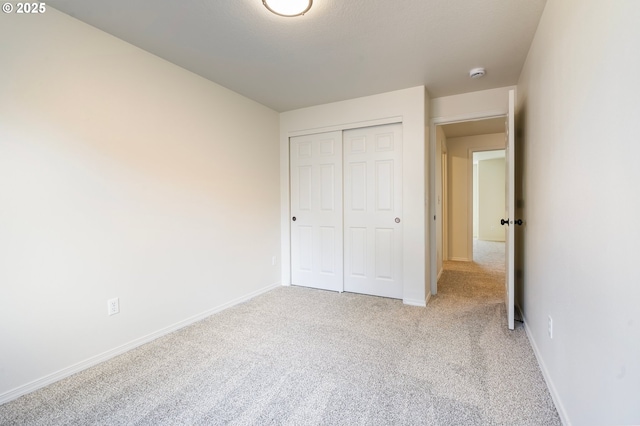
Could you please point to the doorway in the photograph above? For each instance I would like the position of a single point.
(488, 195)
(454, 146)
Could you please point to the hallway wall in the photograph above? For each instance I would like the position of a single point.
(460, 208)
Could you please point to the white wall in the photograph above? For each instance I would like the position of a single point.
(579, 109)
(480, 104)
(491, 207)
(460, 190)
(121, 175)
(408, 106)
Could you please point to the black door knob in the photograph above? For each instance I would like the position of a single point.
(504, 222)
(518, 222)
(294, 219)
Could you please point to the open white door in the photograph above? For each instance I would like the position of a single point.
(510, 209)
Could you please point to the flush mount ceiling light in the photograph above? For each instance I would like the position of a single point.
(477, 73)
(288, 7)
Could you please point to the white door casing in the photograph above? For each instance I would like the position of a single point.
(510, 211)
(373, 210)
(316, 211)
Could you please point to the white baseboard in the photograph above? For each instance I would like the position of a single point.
(459, 259)
(95, 360)
(564, 418)
(440, 274)
(417, 302)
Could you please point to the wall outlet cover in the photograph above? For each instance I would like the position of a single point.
(113, 306)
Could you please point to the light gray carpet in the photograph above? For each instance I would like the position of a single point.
(298, 356)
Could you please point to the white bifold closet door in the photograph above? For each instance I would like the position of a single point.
(373, 210)
(316, 211)
(346, 208)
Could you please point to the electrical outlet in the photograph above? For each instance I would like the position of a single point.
(113, 306)
(550, 327)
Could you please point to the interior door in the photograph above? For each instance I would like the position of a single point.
(316, 211)
(510, 210)
(373, 210)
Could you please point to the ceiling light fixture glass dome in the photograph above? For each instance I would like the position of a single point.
(288, 7)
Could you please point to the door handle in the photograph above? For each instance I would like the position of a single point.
(397, 220)
(294, 219)
(518, 222)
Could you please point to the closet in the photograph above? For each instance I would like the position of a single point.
(346, 210)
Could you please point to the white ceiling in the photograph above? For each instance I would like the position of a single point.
(341, 49)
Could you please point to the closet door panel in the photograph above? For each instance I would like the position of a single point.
(373, 210)
(316, 211)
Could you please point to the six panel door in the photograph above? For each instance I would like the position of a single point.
(373, 210)
(316, 211)
(346, 208)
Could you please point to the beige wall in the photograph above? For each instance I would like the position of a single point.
(121, 175)
(491, 174)
(578, 117)
(460, 208)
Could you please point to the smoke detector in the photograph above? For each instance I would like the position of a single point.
(477, 73)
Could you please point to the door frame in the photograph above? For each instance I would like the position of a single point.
(286, 200)
(439, 121)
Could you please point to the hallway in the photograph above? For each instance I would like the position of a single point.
(481, 280)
